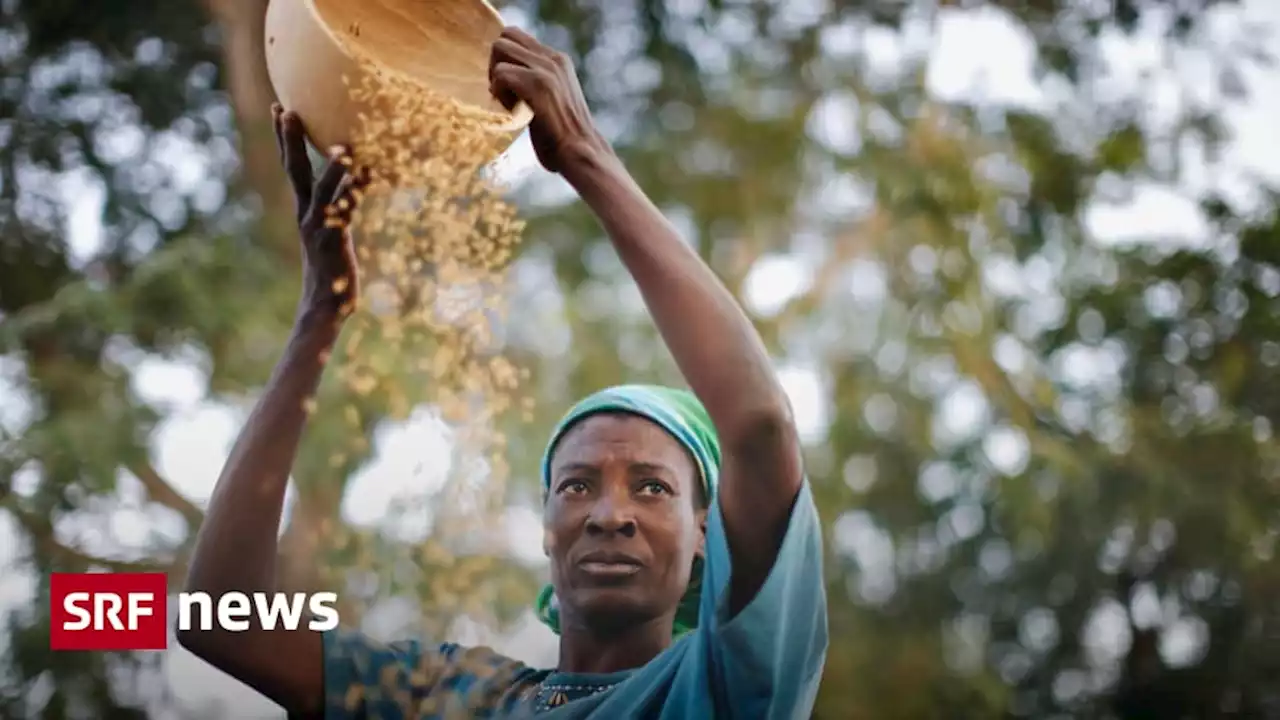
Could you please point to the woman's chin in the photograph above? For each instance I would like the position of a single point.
(611, 605)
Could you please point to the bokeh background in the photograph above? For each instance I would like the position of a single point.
(1018, 261)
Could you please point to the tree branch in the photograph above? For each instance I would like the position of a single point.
(160, 491)
(43, 541)
(73, 556)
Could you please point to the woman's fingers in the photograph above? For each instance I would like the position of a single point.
(526, 48)
(514, 81)
(520, 37)
(327, 186)
(337, 214)
(297, 164)
(509, 51)
(276, 111)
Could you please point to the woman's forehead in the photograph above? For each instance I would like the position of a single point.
(603, 437)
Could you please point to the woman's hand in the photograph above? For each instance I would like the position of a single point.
(323, 207)
(562, 130)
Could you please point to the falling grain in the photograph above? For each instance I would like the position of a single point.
(434, 238)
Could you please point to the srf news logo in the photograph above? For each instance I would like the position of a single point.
(117, 611)
(130, 611)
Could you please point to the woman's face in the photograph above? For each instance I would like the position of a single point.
(623, 521)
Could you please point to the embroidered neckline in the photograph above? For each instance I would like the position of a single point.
(553, 695)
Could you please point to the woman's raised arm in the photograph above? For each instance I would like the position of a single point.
(714, 344)
(236, 547)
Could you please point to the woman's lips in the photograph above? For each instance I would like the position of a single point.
(609, 565)
(608, 569)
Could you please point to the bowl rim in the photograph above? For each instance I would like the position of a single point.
(510, 121)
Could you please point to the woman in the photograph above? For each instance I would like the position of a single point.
(684, 544)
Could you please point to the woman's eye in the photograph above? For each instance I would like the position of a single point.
(573, 486)
(653, 487)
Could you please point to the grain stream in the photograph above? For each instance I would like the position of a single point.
(434, 238)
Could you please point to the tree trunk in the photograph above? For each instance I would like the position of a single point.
(243, 27)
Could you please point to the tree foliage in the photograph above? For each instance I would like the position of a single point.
(1110, 489)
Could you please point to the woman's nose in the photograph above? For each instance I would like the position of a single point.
(612, 514)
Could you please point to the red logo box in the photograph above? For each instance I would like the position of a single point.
(108, 611)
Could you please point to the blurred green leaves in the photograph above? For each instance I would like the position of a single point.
(1034, 438)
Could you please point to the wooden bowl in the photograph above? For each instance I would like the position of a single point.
(440, 45)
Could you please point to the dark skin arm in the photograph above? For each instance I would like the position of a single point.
(714, 344)
(236, 548)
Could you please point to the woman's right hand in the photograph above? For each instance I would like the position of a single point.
(324, 206)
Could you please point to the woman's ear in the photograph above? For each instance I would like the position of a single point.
(702, 533)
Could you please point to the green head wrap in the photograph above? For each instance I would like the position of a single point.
(679, 413)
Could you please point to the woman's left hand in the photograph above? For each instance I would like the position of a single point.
(562, 130)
